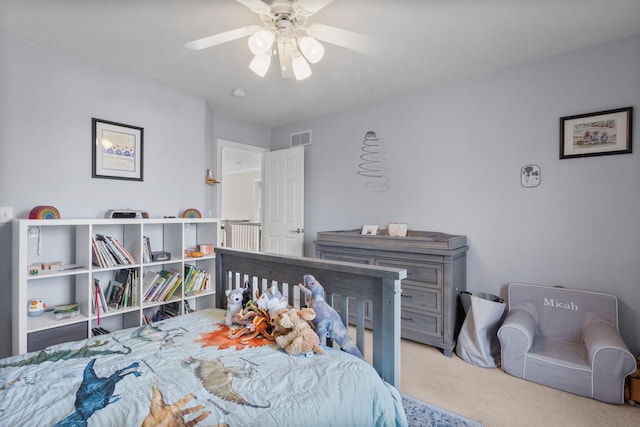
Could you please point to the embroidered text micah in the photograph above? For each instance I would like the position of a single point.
(558, 304)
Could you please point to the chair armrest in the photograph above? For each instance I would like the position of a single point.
(519, 322)
(610, 361)
(516, 338)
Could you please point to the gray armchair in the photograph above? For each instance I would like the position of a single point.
(565, 339)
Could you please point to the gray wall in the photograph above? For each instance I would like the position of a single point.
(47, 101)
(453, 157)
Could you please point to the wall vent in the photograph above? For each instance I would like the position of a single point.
(301, 138)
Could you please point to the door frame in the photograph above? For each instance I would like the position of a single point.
(223, 143)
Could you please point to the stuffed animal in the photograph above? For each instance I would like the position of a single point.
(327, 321)
(234, 304)
(246, 294)
(271, 300)
(294, 333)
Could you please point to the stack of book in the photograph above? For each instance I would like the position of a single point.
(195, 280)
(68, 311)
(166, 311)
(108, 252)
(122, 292)
(160, 286)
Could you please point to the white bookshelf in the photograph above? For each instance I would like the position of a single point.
(69, 241)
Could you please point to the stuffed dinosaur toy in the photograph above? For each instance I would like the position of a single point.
(327, 320)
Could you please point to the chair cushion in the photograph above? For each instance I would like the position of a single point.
(559, 365)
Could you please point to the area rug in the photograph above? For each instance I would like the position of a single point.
(423, 414)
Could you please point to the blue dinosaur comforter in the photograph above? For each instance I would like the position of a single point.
(183, 371)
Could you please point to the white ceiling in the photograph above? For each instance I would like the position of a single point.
(432, 42)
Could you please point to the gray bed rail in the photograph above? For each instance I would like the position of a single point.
(348, 286)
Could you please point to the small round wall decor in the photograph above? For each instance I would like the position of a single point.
(530, 176)
(44, 212)
(191, 213)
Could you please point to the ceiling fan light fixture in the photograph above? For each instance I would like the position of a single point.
(260, 64)
(301, 69)
(311, 49)
(261, 41)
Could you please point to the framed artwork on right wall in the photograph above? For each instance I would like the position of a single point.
(596, 134)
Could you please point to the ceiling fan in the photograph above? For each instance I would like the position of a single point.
(285, 32)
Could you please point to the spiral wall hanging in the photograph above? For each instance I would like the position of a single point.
(372, 165)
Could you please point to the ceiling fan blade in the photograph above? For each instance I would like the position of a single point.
(309, 7)
(347, 39)
(256, 6)
(220, 38)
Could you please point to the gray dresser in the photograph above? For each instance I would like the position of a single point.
(436, 274)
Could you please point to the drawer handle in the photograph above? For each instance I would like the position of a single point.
(407, 296)
(407, 318)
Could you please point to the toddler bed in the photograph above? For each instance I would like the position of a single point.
(185, 370)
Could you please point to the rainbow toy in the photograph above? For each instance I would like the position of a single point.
(191, 213)
(44, 212)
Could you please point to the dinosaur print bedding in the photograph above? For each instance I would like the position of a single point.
(185, 371)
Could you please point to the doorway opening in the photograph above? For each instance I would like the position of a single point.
(240, 197)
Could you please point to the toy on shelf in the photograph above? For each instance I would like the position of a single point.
(193, 254)
(36, 268)
(44, 212)
(205, 248)
(36, 307)
(191, 213)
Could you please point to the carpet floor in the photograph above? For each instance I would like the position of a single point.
(423, 414)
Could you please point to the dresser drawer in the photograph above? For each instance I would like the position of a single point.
(420, 324)
(359, 259)
(421, 298)
(429, 274)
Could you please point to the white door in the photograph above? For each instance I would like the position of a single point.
(283, 215)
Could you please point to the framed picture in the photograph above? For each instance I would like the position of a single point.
(117, 150)
(370, 230)
(596, 134)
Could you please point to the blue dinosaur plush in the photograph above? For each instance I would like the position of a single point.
(327, 320)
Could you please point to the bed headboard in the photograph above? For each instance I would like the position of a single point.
(348, 285)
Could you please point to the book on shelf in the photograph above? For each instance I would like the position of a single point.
(100, 302)
(162, 285)
(174, 288)
(116, 292)
(187, 307)
(156, 288)
(166, 311)
(149, 284)
(109, 252)
(146, 249)
(169, 280)
(122, 289)
(195, 280)
(68, 311)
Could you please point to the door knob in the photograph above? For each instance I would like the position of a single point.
(297, 230)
